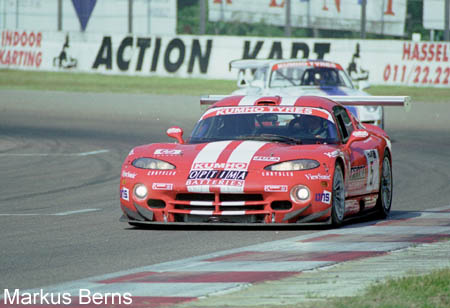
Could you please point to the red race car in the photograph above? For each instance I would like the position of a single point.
(264, 160)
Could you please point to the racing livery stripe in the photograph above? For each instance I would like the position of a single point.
(244, 154)
(288, 100)
(209, 154)
(249, 100)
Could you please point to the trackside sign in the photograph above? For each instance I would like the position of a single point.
(185, 56)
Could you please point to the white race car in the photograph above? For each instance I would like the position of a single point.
(302, 77)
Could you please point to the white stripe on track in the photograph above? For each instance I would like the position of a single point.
(53, 154)
(53, 214)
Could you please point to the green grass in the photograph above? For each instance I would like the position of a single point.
(431, 290)
(81, 82)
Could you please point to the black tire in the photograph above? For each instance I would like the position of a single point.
(338, 197)
(384, 201)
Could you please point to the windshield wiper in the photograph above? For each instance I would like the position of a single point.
(272, 137)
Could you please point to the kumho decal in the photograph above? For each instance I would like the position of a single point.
(215, 165)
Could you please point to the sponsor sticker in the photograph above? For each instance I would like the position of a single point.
(127, 174)
(269, 109)
(161, 172)
(125, 193)
(167, 152)
(324, 197)
(277, 173)
(357, 173)
(275, 188)
(218, 174)
(223, 166)
(318, 176)
(266, 158)
(162, 186)
(215, 182)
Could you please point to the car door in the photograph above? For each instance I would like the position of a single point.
(356, 156)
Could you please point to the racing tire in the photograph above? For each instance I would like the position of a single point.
(384, 200)
(338, 197)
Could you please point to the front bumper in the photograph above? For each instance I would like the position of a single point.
(254, 206)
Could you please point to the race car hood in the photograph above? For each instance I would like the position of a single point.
(238, 154)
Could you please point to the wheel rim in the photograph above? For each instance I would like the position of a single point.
(386, 184)
(339, 194)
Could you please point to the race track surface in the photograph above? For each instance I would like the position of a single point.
(60, 159)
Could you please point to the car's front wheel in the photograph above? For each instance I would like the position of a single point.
(338, 197)
(384, 200)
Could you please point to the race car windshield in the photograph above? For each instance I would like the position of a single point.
(309, 76)
(273, 127)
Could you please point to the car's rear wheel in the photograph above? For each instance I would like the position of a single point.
(338, 197)
(384, 200)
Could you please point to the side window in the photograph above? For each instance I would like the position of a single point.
(344, 122)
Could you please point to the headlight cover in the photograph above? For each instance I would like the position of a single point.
(151, 163)
(294, 165)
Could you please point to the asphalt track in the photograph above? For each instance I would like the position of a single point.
(60, 158)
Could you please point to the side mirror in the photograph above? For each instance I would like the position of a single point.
(177, 133)
(357, 135)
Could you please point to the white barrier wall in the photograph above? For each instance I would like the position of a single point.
(385, 62)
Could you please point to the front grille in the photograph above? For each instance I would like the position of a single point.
(222, 197)
(195, 197)
(281, 205)
(256, 207)
(156, 204)
(226, 202)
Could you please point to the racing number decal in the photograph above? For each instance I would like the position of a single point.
(373, 172)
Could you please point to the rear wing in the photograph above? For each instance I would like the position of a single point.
(368, 100)
(402, 101)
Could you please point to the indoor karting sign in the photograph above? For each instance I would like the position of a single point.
(383, 17)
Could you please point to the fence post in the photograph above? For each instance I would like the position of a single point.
(17, 14)
(202, 28)
(446, 20)
(59, 15)
(287, 28)
(363, 18)
(130, 16)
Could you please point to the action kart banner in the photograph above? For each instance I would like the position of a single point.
(383, 17)
(391, 62)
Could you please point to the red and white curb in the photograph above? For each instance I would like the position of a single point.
(170, 283)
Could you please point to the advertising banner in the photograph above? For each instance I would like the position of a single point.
(391, 62)
(383, 17)
(434, 14)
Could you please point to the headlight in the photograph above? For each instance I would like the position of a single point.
(151, 163)
(300, 194)
(140, 191)
(294, 165)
